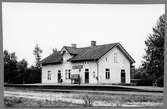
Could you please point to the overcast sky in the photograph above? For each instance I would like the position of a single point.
(58, 25)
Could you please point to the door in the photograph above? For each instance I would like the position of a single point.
(123, 76)
(86, 76)
(59, 76)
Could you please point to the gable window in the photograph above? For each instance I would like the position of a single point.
(115, 58)
(64, 52)
(67, 73)
(107, 73)
(124, 61)
(49, 75)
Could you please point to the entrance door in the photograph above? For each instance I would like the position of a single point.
(86, 76)
(123, 76)
(59, 76)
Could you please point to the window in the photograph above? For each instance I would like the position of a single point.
(124, 61)
(64, 52)
(107, 73)
(94, 75)
(67, 73)
(49, 75)
(86, 62)
(115, 58)
(86, 70)
(106, 59)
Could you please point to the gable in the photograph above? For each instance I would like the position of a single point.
(118, 49)
(110, 56)
(65, 54)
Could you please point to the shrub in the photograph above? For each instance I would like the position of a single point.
(88, 100)
(9, 101)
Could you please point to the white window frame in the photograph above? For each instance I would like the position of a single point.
(115, 58)
(94, 74)
(107, 72)
(49, 75)
(68, 74)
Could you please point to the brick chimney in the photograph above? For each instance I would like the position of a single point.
(93, 43)
(74, 45)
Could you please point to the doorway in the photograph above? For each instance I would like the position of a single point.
(59, 77)
(86, 76)
(123, 76)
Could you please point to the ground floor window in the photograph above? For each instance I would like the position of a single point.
(49, 75)
(94, 75)
(86, 75)
(123, 76)
(68, 73)
(107, 73)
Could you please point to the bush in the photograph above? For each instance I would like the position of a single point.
(88, 100)
(12, 101)
(160, 81)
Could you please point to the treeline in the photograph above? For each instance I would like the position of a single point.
(152, 69)
(18, 72)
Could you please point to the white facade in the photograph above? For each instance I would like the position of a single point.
(121, 63)
(114, 60)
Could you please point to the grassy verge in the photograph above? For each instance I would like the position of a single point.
(89, 99)
(122, 97)
(25, 102)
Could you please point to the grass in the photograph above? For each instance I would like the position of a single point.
(88, 100)
(124, 98)
(25, 102)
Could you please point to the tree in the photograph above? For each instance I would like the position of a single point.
(35, 71)
(22, 71)
(154, 58)
(37, 52)
(10, 67)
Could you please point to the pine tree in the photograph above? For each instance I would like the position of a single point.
(154, 58)
(37, 52)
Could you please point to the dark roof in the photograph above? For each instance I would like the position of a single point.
(92, 53)
(54, 58)
(74, 51)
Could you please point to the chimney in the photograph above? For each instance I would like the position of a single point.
(93, 43)
(74, 45)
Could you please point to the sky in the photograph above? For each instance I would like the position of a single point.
(57, 25)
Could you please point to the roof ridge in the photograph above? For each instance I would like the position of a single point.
(91, 46)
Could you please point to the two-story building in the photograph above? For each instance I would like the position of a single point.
(108, 63)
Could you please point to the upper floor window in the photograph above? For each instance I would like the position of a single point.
(64, 52)
(115, 58)
(49, 75)
(107, 73)
(124, 61)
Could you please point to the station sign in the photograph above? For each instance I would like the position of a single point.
(77, 67)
